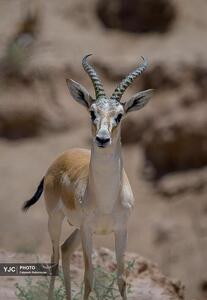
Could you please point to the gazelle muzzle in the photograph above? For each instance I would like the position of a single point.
(103, 137)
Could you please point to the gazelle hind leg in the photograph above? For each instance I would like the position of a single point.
(120, 246)
(67, 249)
(54, 228)
(86, 238)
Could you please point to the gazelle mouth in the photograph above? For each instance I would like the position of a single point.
(102, 145)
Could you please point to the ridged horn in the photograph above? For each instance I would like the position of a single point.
(127, 81)
(99, 90)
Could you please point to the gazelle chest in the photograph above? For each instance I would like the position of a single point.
(105, 183)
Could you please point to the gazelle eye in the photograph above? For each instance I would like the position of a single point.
(93, 116)
(118, 118)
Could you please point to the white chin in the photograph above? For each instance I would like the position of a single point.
(102, 146)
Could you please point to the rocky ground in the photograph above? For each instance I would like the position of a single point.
(164, 145)
(145, 279)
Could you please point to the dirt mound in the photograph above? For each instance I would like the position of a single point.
(137, 16)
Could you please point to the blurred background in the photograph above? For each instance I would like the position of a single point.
(164, 145)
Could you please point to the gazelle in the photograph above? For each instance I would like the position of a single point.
(90, 188)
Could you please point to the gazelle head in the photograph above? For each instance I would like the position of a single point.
(106, 112)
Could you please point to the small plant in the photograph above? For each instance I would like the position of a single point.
(105, 287)
(38, 290)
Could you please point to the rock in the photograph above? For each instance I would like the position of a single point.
(203, 286)
(133, 128)
(200, 78)
(33, 109)
(146, 280)
(151, 289)
(137, 15)
(178, 183)
(177, 143)
(17, 124)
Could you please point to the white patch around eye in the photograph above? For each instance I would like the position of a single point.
(113, 123)
(97, 120)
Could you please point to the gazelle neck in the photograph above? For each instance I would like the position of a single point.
(105, 175)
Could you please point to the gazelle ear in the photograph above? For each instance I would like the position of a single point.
(138, 101)
(79, 93)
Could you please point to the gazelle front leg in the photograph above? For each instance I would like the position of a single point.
(120, 248)
(86, 236)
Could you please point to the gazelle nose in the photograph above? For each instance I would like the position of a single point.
(102, 140)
